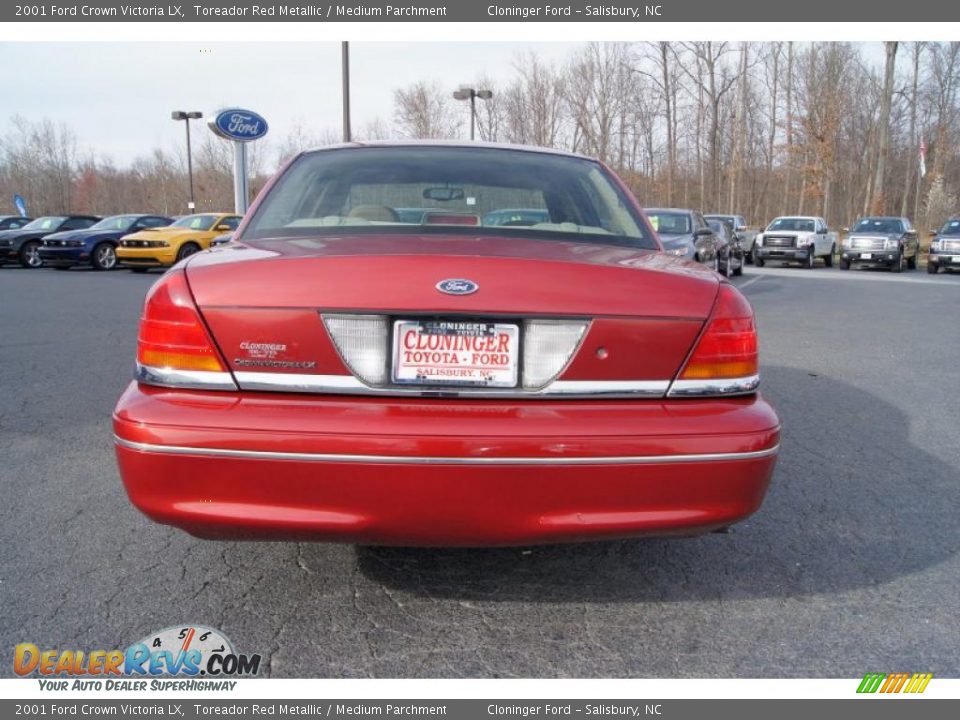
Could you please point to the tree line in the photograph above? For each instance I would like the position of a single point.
(761, 129)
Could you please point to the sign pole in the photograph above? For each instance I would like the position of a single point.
(241, 188)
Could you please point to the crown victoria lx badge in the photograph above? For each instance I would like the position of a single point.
(457, 286)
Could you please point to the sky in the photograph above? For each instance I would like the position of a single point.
(117, 96)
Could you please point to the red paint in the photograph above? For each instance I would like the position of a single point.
(439, 504)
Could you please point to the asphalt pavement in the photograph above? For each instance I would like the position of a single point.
(850, 566)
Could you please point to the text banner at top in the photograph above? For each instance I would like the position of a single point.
(485, 11)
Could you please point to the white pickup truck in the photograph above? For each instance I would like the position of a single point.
(796, 239)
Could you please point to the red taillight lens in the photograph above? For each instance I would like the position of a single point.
(171, 332)
(728, 346)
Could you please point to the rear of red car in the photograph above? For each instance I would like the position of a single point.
(364, 370)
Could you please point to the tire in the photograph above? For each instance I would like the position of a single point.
(897, 266)
(828, 260)
(748, 257)
(30, 255)
(728, 266)
(811, 258)
(931, 268)
(759, 261)
(104, 257)
(912, 262)
(844, 264)
(738, 271)
(186, 250)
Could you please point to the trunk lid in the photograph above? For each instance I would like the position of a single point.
(264, 301)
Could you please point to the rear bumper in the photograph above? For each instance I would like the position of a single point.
(435, 472)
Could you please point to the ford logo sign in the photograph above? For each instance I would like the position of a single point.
(457, 286)
(238, 124)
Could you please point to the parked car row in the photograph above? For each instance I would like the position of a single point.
(138, 242)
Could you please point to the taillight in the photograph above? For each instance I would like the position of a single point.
(172, 336)
(724, 360)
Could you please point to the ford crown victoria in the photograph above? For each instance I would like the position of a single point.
(338, 373)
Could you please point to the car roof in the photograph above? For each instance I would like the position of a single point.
(450, 144)
(676, 210)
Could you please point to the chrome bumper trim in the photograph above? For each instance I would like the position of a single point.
(191, 379)
(421, 460)
(348, 384)
(713, 388)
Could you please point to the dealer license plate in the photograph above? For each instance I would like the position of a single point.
(453, 352)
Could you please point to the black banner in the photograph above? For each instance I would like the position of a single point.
(483, 11)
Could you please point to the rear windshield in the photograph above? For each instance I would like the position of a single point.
(879, 225)
(448, 190)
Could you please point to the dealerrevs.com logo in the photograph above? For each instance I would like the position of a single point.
(188, 652)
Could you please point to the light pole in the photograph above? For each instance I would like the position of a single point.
(345, 79)
(471, 94)
(187, 117)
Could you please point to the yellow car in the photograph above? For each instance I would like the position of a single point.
(162, 247)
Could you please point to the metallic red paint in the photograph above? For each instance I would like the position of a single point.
(437, 503)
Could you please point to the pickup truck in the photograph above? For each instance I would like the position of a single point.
(890, 242)
(796, 239)
(744, 235)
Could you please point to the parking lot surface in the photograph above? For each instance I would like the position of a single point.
(850, 566)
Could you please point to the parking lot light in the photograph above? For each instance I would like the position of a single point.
(468, 93)
(187, 116)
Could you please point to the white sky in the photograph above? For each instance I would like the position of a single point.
(117, 96)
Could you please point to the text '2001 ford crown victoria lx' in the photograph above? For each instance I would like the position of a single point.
(346, 371)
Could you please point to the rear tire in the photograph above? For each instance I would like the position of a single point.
(828, 260)
(897, 266)
(931, 268)
(912, 262)
(738, 271)
(30, 255)
(759, 261)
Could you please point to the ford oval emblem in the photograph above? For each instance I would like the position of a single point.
(239, 124)
(457, 286)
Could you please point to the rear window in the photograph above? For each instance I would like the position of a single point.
(448, 190)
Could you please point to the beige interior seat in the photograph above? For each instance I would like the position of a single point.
(374, 213)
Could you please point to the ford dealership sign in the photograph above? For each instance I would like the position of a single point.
(239, 125)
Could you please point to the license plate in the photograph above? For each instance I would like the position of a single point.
(866, 256)
(955, 258)
(449, 352)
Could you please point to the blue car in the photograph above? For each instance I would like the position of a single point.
(97, 245)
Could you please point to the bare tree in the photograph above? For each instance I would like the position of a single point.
(425, 111)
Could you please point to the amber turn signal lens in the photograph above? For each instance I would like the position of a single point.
(172, 335)
(728, 346)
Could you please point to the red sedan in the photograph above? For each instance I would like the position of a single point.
(370, 361)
